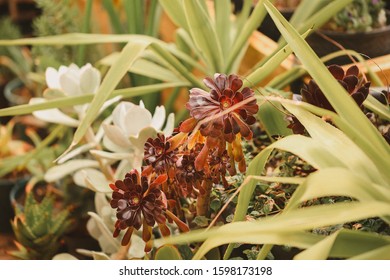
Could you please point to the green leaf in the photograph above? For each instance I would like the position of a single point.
(167, 252)
(264, 70)
(344, 105)
(201, 221)
(175, 10)
(346, 244)
(222, 22)
(203, 34)
(113, 16)
(127, 57)
(272, 117)
(176, 66)
(382, 253)
(59, 171)
(82, 99)
(337, 143)
(374, 105)
(244, 33)
(285, 228)
(337, 181)
(315, 21)
(144, 67)
(305, 9)
(215, 204)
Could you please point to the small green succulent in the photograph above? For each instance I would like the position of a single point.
(38, 228)
(360, 16)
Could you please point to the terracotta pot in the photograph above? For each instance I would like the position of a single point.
(373, 43)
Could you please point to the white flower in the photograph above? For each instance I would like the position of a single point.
(69, 81)
(133, 125)
(73, 80)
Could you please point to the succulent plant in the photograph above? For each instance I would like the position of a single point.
(356, 87)
(38, 228)
(359, 16)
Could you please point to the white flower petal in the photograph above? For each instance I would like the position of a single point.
(53, 115)
(136, 119)
(158, 118)
(62, 70)
(79, 150)
(89, 79)
(92, 179)
(103, 208)
(52, 78)
(170, 125)
(70, 84)
(106, 234)
(136, 249)
(116, 136)
(59, 171)
(145, 133)
(64, 257)
(124, 166)
(100, 133)
(119, 113)
(73, 70)
(112, 157)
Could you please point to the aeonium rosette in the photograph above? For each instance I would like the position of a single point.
(221, 116)
(139, 201)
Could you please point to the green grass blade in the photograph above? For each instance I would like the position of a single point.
(144, 67)
(338, 144)
(335, 93)
(267, 68)
(341, 241)
(175, 10)
(382, 253)
(154, 16)
(176, 66)
(85, 29)
(130, 19)
(113, 16)
(305, 9)
(374, 105)
(243, 34)
(222, 23)
(204, 35)
(129, 54)
(81, 38)
(242, 17)
(284, 228)
(337, 181)
(82, 99)
(315, 21)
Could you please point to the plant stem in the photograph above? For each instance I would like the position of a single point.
(203, 200)
(85, 29)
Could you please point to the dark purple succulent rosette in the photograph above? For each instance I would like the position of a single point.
(224, 94)
(137, 202)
